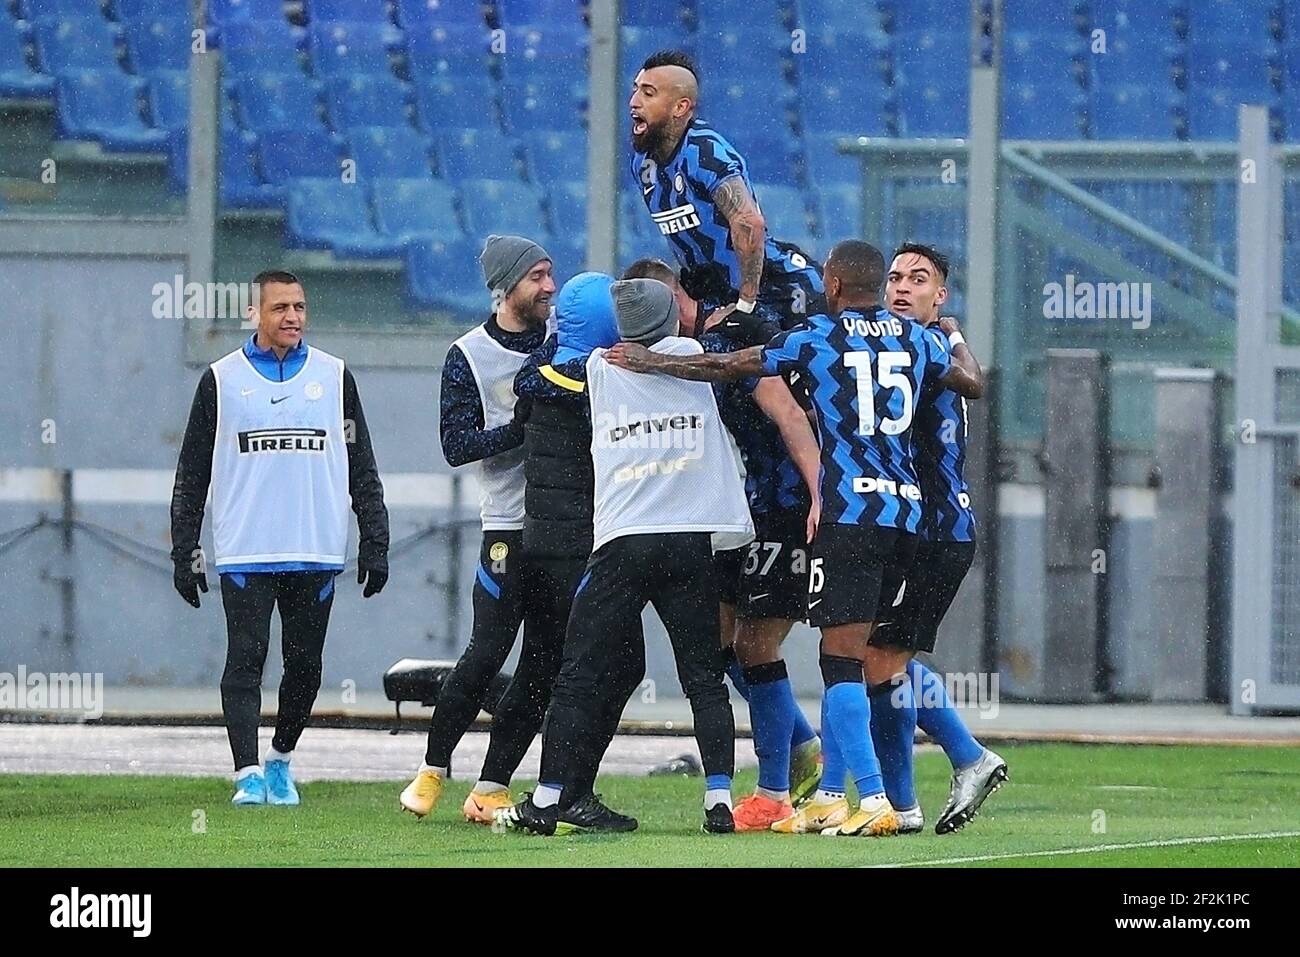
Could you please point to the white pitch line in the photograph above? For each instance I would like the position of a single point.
(1098, 848)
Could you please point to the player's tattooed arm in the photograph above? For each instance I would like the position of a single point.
(748, 231)
(724, 367)
(964, 376)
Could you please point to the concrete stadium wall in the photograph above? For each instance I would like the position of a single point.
(82, 349)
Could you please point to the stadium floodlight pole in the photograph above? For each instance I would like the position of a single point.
(605, 154)
(979, 606)
(1259, 359)
(982, 175)
(203, 169)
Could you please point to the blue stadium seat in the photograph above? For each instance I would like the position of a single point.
(241, 187)
(354, 11)
(445, 274)
(453, 102)
(1047, 111)
(328, 214)
(837, 15)
(717, 17)
(61, 9)
(1212, 113)
(634, 218)
(1059, 20)
(769, 157)
(89, 43)
(1154, 20)
(867, 109)
(783, 209)
(1132, 60)
(567, 202)
(420, 13)
(103, 105)
(1237, 19)
(558, 12)
(930, 109)
(367, 99)
(151, 10)
(941, 16)
(557, 157)
(568, 256)
(759, 105)
(259, 46)
(639, 42)
(846, 57)
(452, 50)
(1240, 65)
(292, 153)
(409, 209)
(827, 166)
(269, 101)
(1037, 58)
(341, 49)
(476, 154)
(234, 11)
(154, 45)
(1132, 113)
(917, 51)
(745, 56)
(554, 103)
(653, 13)
(169, 101)
(546, 45)
(389, 152)
(1291, 117)
(839, 213)
(17, 78)
(503, 206)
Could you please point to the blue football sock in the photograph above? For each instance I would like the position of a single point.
(893, 729)
(771, 712)
(936, 716)
(834, 770)
(801, 731)
(850, 714)
(736, 672)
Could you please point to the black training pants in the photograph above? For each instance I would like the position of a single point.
(604, 650)
(304, 600)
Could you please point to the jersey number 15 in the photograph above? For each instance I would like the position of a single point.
(887, 374)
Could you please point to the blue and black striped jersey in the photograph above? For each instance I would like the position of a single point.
(772, 480)
(939, 440)
(679, 196)
(865, 375)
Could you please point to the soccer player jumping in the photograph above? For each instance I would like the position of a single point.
(866, 368)
(904, 692)
(697, 189)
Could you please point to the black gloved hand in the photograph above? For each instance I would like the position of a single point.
(189, 583)
(372, 571)
(523, 410)
(749, 328)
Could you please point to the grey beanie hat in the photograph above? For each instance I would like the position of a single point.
(507, 259)
(645, 309)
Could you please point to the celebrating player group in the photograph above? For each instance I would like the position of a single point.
(604, 416)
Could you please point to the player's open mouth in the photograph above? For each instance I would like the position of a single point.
(901, 305)
(639, 126)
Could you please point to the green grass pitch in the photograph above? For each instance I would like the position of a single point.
(1060, 797)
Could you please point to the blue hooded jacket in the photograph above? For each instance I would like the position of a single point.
(584, 317)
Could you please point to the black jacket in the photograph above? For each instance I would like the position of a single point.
(194, 473)
(559, 483)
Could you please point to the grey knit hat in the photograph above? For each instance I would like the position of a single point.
(507, 259)
(645, 310)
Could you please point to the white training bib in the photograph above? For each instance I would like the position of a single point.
(663, 461)
(280, 464)
(501, 477)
